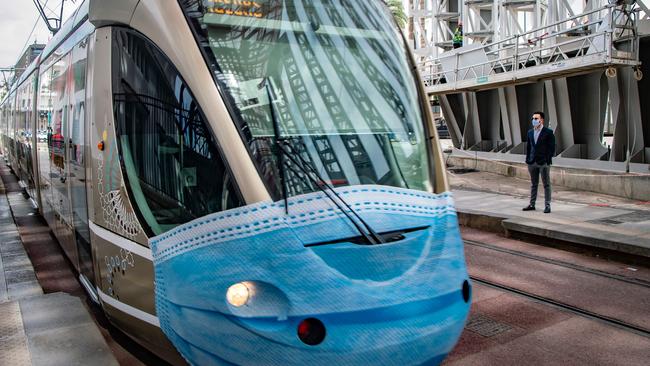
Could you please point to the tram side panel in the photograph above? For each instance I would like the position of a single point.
(55, 193)
(80, 185)
(15, 165)
(23, 150)
(44, 96)
(124, 270)
(77, 156)
(11, 102)
(3, 125)
(17, 121)
(33, 140)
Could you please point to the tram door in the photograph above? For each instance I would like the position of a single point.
(77, 154)
(58, 149)
(44, 97)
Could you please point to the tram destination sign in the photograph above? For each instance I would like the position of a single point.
(240, 8)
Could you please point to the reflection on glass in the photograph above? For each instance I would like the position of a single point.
(23, 132)
(44, 121)
(57, 139)
(171, 161)
(344, 95)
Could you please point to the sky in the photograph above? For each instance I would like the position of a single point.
(17, 17)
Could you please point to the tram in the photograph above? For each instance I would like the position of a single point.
(245, 182)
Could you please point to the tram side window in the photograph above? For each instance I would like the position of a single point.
(3, 125)
(45, 107)
(10, 125)
(170, 159)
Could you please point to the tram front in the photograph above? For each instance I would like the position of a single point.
(357, 257)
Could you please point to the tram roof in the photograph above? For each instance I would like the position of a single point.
(75, 21)
(70, 26)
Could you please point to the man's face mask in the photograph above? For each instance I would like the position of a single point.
(535, 122)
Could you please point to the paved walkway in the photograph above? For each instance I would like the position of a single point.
(493, 201)
(36, 328)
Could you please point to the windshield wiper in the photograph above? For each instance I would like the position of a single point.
(276, 132)
(371, 236)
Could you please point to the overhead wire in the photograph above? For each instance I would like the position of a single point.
(31, 32)
(29, 36)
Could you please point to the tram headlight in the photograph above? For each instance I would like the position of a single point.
(238, 294)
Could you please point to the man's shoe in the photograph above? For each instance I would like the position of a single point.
(547, 209)
(528, 208)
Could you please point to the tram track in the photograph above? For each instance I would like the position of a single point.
(566, 307)
(553, 301)
(609, 275)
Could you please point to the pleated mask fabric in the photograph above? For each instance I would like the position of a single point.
(394, 303)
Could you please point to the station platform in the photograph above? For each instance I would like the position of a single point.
(38, 328)
(494, 202)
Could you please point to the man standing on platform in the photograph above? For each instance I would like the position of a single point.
(540, 150)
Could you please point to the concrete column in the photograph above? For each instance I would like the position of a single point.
(529, 98)
(510, 105)
(489, 114)
(626, 112)
(588, 103)
(505, 117)
(454, 117)
(558, 116)
(472, 131)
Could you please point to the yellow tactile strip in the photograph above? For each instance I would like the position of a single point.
(13, 341)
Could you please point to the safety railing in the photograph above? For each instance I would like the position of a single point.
(592, 34)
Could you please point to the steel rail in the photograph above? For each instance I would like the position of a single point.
(566, 307)
(609, 275)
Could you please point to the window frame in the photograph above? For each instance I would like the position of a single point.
(422, 104)
(218, 148)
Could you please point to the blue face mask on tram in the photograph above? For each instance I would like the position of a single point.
(535, 122)
(255, 285)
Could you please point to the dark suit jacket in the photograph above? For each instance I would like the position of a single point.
(543, 151)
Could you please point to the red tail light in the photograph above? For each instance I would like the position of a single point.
(311, 331)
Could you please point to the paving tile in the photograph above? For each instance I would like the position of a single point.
(16, 262)
(61, 332)
(580, 217)
(13, 341)
(8, 246)
(60, 309)
(575, 341)
(68, 346)
(7, 231)
(23, 290)
(14, 277)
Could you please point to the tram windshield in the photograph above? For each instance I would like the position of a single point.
(341, 92)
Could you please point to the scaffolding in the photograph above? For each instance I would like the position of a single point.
(598, 38)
